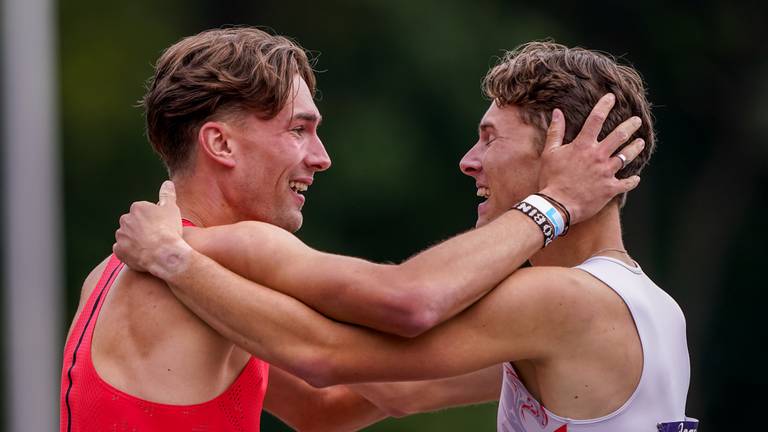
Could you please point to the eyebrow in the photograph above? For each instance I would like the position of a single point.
(485, 125)
(308, 117)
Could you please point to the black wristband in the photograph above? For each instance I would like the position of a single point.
(539, 219)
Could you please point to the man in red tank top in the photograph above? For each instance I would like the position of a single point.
(231, 113)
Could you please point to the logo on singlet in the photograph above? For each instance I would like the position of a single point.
(681, 426)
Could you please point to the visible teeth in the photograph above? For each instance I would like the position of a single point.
(483, 192)
(298, 186)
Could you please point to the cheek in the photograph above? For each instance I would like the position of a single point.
(286, 157)
(499, 164)
(512, 176)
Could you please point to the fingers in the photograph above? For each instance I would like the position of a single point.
(167, 193)
(556, 131)
(626, 185)
(620, 135)
(629, 153)
(594, 123)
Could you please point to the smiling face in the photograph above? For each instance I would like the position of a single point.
(274, 161)
(504, 162)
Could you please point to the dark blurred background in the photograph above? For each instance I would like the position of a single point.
(400, 96)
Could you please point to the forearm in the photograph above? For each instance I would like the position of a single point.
(342, 410)
(456, 273)
(305, 408)
(399, 399)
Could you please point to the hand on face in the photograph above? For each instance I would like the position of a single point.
(148, 229)
(582, 175)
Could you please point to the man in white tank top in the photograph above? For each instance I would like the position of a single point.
(581, 341)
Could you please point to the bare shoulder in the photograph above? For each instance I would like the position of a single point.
(90, 282)
(546, 286)
(248, 232)
(85, 291)
(565, 301)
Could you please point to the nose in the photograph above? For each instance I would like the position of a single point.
(318, 158)
(470, 164)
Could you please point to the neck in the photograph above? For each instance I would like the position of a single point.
(601, 233)
(202, 202)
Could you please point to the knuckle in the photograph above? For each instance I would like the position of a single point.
(599, 116)
(597, 158)
(552, 132)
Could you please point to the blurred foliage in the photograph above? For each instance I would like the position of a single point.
(400, 93)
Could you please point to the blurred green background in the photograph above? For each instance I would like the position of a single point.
(400, 93)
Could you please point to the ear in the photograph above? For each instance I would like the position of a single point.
(213, 139)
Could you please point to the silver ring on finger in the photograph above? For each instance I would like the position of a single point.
(623, 160)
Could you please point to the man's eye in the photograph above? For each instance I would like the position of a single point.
(487, 143)
(298, 130)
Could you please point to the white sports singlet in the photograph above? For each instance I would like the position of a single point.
(658, 402)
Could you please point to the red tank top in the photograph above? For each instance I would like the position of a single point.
(88, 403)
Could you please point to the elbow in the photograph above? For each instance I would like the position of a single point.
(318, 369)
(418, 321)
(414, 312)
(320, 379)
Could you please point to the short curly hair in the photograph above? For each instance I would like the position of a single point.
(214, 73)
(538, 77)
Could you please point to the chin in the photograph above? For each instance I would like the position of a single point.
(294, 222)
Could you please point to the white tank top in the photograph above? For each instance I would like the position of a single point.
(658, 402)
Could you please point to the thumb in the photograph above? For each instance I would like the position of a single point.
(167, 193)
(556, 131)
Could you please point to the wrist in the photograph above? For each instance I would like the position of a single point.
(551, 216)
(170, 260)
(571, 210)
(533, 209)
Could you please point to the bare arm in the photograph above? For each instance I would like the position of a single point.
(404, 299)
(409, 298)
(352, 407)
(518, 320)
(309, 409)
(399, 399)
